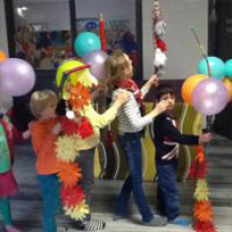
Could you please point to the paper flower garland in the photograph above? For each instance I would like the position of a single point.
(66, 149)
(79, 96)
(159, 29)
(69, 127)
(204, 226)
(69, 173)
(199, 166)
(77, 212)
(72, 194)
(85, 129)
(203, 213)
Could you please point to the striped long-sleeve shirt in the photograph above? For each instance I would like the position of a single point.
(129, 115)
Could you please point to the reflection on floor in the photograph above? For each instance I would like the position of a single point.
(26, 206)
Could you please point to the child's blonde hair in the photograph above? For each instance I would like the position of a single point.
(42, 99)
(118, 67)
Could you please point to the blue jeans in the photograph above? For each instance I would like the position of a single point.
(167, 192)
(5, 210)
(50, 190)
(131, 145)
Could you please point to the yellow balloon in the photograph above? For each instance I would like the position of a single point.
(189, 85)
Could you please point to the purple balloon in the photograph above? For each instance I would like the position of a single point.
(97, 61)
(210, 96)
(16, 76)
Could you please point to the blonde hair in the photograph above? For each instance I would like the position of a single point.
(40, 100)
(117, 67)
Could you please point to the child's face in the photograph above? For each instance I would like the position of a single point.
(170, 98)
(49, 112)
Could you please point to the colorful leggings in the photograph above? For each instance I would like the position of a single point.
(5, 211)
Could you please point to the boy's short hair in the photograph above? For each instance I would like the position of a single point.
(163, 89)
(42, 99)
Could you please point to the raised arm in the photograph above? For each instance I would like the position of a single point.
(131, 115)
(153, 80)
(102, 120)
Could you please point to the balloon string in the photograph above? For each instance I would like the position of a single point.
(203, 52)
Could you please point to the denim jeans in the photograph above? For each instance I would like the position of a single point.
(5, 210)
(50, 190)
(86, 161)
(167, 192)
(131, 145)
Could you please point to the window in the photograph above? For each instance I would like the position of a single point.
(42, 32)
(120, 24)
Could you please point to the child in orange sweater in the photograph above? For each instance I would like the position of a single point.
(44, 133)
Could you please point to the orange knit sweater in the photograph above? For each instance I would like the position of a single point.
(43, 142)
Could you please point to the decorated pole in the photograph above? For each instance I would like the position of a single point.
(203, 52)
(159, 29)
(102, 33)
(203, 210)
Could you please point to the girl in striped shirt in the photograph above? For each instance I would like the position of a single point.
(119, 72)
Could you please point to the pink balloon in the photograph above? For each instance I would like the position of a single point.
(16, 76)
(210, 97)
(97, 61)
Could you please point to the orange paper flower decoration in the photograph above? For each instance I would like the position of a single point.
(79, 96)
(203, 211)
(200, 154)
(69, 173)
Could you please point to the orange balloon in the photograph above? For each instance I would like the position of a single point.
(228, 85)
(189, 85)
(2, 56)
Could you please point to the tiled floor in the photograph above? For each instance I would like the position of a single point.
(26, 206)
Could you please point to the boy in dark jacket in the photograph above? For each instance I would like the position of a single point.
(167, 139)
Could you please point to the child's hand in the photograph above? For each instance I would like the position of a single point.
(153, 80)
(205, 138)
(159, 108)
(56, 129)
(26, 134)
(122, 97)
